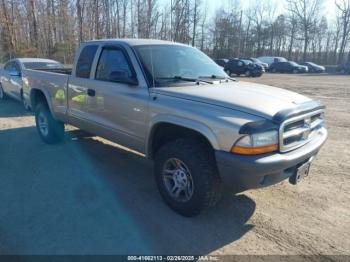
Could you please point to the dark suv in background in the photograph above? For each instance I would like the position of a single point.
(287, 67)
(344, 68)
(221, 62)
(243, 67)
(257, 61)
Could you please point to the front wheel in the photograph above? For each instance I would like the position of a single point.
(50, 130)
(187, 176)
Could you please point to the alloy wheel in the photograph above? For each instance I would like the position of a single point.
(178, 180)
(43, 124)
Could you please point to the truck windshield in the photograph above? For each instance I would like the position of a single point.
(166, 64)
(42, 65)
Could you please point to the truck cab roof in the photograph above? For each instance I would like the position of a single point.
(134, 42)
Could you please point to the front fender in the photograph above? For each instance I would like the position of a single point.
(182, 122)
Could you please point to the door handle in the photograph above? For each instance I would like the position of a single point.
(91, 92)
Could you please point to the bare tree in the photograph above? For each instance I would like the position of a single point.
(306, 11)
(195, 20)
(6, 32)
(45, 27)
(80, 5)
(33, 22)
(344, 9)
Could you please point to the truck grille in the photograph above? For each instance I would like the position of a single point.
(297, 131)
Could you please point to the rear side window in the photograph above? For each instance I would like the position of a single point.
(12, 66)
(42, 65)
(16, 67)
(9, 66)
(113, 66)
(85, 61)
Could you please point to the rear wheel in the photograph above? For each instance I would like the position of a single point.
(187, 176)
(2, 93)
(247, 73)
(50, 130)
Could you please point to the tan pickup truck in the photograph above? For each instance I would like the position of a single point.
(172, 103)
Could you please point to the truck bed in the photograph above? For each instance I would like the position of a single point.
(52, 82)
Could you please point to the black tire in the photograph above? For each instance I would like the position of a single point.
(54, 131)
(247, 73)
(205, 181)
(2, 93)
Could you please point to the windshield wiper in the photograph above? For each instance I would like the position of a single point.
(218, 77)
(187, 79)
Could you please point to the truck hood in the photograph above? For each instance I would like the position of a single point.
(261, 100)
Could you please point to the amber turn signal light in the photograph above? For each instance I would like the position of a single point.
(253, 150)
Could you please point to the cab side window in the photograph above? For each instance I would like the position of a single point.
(86, 58)
(113, 66)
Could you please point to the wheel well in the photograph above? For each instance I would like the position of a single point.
(167, 132)
(36, 97)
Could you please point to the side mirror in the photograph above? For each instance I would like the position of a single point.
(122, 76)
(15, 73)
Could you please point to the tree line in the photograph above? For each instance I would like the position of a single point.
(54, 28)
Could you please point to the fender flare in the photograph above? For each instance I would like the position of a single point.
(181, 122)
(47, 97)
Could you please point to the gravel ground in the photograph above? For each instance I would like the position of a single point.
(89, 196)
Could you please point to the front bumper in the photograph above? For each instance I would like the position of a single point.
(246, 172)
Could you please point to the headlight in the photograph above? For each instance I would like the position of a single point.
(256, 143)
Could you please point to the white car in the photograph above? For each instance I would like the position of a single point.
(11, 77)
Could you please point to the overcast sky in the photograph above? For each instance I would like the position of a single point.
(213, 5)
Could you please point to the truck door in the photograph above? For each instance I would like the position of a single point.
(115, 104)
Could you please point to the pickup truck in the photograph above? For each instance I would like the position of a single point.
(11, 77)
(173, 104)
